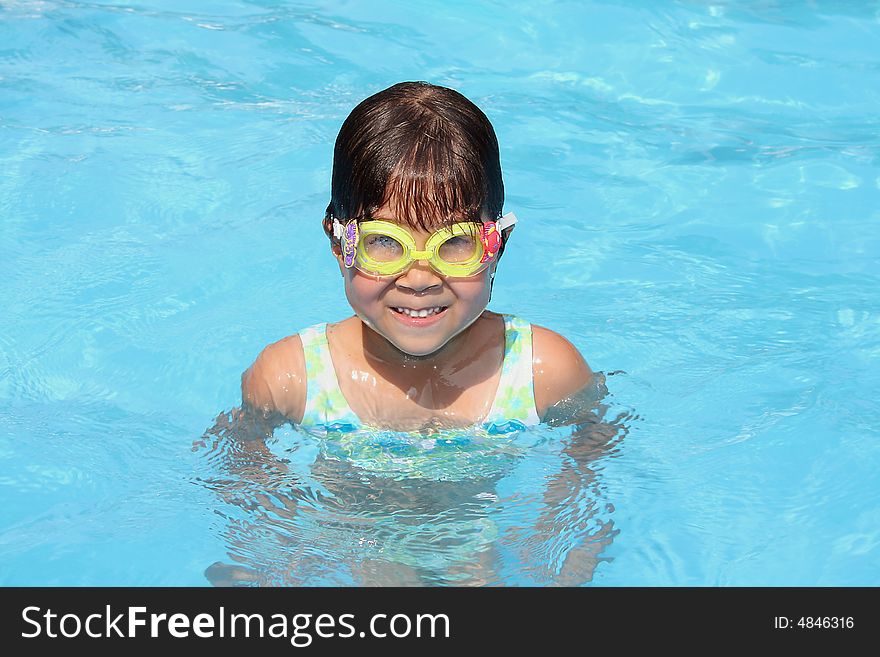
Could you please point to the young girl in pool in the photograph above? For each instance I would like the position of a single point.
(415, 223)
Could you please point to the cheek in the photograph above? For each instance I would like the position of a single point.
(472, 291)
(362, 291)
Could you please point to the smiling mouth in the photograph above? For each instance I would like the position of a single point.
(424, 312)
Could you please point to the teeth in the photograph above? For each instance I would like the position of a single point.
(424, 312)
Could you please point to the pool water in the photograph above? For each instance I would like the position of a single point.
(698, 188)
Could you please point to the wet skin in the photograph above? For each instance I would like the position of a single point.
(433, 361)
(396, 335)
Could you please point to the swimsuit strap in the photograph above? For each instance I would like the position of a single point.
(326, 406)
(514, 405)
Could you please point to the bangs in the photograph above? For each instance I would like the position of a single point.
(434, 185)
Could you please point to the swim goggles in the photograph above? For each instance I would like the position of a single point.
(384, 248)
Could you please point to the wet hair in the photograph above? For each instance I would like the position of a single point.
(425, 150)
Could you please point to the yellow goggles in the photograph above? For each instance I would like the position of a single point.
(384, 248)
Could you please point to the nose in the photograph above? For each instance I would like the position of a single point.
(419, 278)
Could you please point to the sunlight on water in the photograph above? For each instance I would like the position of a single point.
(697, 189)
(527, 509)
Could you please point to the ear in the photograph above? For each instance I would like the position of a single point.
(336, 250)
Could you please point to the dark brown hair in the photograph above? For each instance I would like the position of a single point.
(427, 150)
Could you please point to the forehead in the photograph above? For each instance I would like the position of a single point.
(425, 219)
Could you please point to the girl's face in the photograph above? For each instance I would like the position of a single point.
(385, 304)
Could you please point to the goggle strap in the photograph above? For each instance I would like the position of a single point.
(506, 221)
(338, 230)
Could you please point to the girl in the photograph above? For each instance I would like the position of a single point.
(415, 223)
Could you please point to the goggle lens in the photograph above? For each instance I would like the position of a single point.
(458, 248)
(382, 248)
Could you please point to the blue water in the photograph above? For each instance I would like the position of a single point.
(698, 186)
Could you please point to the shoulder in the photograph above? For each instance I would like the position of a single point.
(558, 369)
(276, 382)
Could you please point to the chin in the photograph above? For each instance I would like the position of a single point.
(418, 351)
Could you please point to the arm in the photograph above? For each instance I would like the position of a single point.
(272, 392)
(248, 475)
(568, 392)
(273, 389)
(560, 374)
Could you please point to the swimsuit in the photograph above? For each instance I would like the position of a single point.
(470, 459)
(513, 409)
(481, 450)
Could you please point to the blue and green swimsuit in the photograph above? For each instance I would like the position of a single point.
(512, 410)
(486, 452)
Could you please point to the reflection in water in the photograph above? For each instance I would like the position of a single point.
(365, 509)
